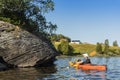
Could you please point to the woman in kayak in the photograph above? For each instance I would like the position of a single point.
(86, 60)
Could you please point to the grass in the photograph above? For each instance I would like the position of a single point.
(78, 49)
(83, 48)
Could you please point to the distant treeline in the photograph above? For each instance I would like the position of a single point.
(64, 46)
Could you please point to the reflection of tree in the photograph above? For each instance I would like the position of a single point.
(27, 73)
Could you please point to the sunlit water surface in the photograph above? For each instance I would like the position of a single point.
(62, 71)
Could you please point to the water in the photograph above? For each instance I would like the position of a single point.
(62, 71)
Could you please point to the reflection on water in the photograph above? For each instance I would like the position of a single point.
(62, 71)
(27, 73)
(88, 75)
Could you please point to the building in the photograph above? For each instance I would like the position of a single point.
(76, 42)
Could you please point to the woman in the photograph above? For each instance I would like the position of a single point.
(86, 59)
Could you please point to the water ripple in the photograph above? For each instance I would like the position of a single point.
(62, 71)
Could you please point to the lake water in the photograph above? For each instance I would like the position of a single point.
(62, 71)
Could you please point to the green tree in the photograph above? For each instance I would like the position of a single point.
(65, 48)
(29, 14)
(58, 37)
(115, 43)
(106, 49)
(106, 42)
(99, 48)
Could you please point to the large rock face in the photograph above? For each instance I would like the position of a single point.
(23, 49)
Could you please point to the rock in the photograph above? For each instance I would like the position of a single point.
(3, 64)
(21, 48)
(3, 67)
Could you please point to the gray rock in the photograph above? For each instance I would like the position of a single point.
(21, 48)
(3, 64)
(3, 67)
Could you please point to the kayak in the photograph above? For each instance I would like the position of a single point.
(88, 66)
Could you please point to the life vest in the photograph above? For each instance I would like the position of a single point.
(87, 61)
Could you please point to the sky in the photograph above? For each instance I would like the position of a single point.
(89, 21)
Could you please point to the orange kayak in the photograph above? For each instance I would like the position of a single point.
(89, 66)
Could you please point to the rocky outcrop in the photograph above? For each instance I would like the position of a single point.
(20, 48)
(3, 65)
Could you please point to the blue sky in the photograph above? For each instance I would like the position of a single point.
(90, 21)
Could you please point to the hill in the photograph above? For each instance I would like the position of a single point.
(79, 49)
(83, 48)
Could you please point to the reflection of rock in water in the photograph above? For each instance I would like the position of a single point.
(47, 70)
(27, 73)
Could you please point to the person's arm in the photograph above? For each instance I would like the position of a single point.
(80, 62)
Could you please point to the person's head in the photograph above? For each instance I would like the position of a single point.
(85, 55)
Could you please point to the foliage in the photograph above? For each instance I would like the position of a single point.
(64, 48)
(5, 19)
(28, 13)
(115, 43)
(56, 44)
(99, 48)
(58, 37)
(90, 49)
(106, 48)
(106, 42)
(113, 51)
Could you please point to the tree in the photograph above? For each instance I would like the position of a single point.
(115, 43)
(99, 48)
(29, 14)
(106, 49)
(58, 37)
(106, 42)
(65, 48)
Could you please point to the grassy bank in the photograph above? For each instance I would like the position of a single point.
(83, 48)
(78, 49)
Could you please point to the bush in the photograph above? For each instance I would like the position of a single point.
(5, 19)
(99, 48)
(64, 48)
